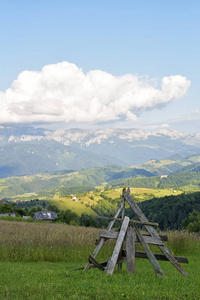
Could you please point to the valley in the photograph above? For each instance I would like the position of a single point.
(84, 171)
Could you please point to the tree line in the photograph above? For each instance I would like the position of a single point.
(173, 212)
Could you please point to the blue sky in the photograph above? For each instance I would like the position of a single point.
(148, 39)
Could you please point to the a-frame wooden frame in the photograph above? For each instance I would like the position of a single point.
(131, 235)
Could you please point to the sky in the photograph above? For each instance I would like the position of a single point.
(100, 64)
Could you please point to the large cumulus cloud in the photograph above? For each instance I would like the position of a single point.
(63, 93)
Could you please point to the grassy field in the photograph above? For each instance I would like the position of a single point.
(81, 206)
(57, 281)
(37, 262)
(142, 193)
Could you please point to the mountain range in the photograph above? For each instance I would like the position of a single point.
(26, 150)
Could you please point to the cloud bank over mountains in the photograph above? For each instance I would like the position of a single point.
(63, 93)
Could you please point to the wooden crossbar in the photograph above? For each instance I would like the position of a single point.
(108, 234)
(138, 254)
(93, 261)
(132, 221)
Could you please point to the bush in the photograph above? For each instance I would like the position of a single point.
(192, 223)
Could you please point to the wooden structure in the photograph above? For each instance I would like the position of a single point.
(129, 233)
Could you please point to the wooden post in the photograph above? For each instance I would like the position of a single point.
(130, 250)
(151, 257)
(123, 209)
(122, 216)
(111, 265)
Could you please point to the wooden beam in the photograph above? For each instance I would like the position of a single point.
(182, 260)
(111, 265)
(92, 260)
(132, 221)
(102, 240)
(163, 237)
(173, 260)
(123, 209)
(119, 257)
(108, 234)
(122, 217)
(130, 250)
(138, 254)
(151, 257)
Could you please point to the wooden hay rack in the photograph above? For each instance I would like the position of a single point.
(129, 233)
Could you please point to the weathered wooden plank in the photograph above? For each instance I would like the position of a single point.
(119, 257)
(132, 221)
(152, 240)
(111, 266)
(108, 234)
(138, 254)
(163, 237)
(172, 259)
(123, 209)
(122, 217)
(130, 250)
(152, 232)
(102, 240)
(93, 260)
(179, 259)
(139, 213)
(105, 232)
(151, 257)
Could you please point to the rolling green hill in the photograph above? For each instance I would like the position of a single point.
(63, 182)
(173, 164)
(187, 181)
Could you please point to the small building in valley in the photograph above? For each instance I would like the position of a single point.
(163, 176)
(45, 215)
(3, 201)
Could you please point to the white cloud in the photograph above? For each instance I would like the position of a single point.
(63, 93)
(164, 125)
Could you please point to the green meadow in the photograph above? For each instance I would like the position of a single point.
(38, 261)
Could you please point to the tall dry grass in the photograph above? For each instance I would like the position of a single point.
(20, 241)
(183, 242)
